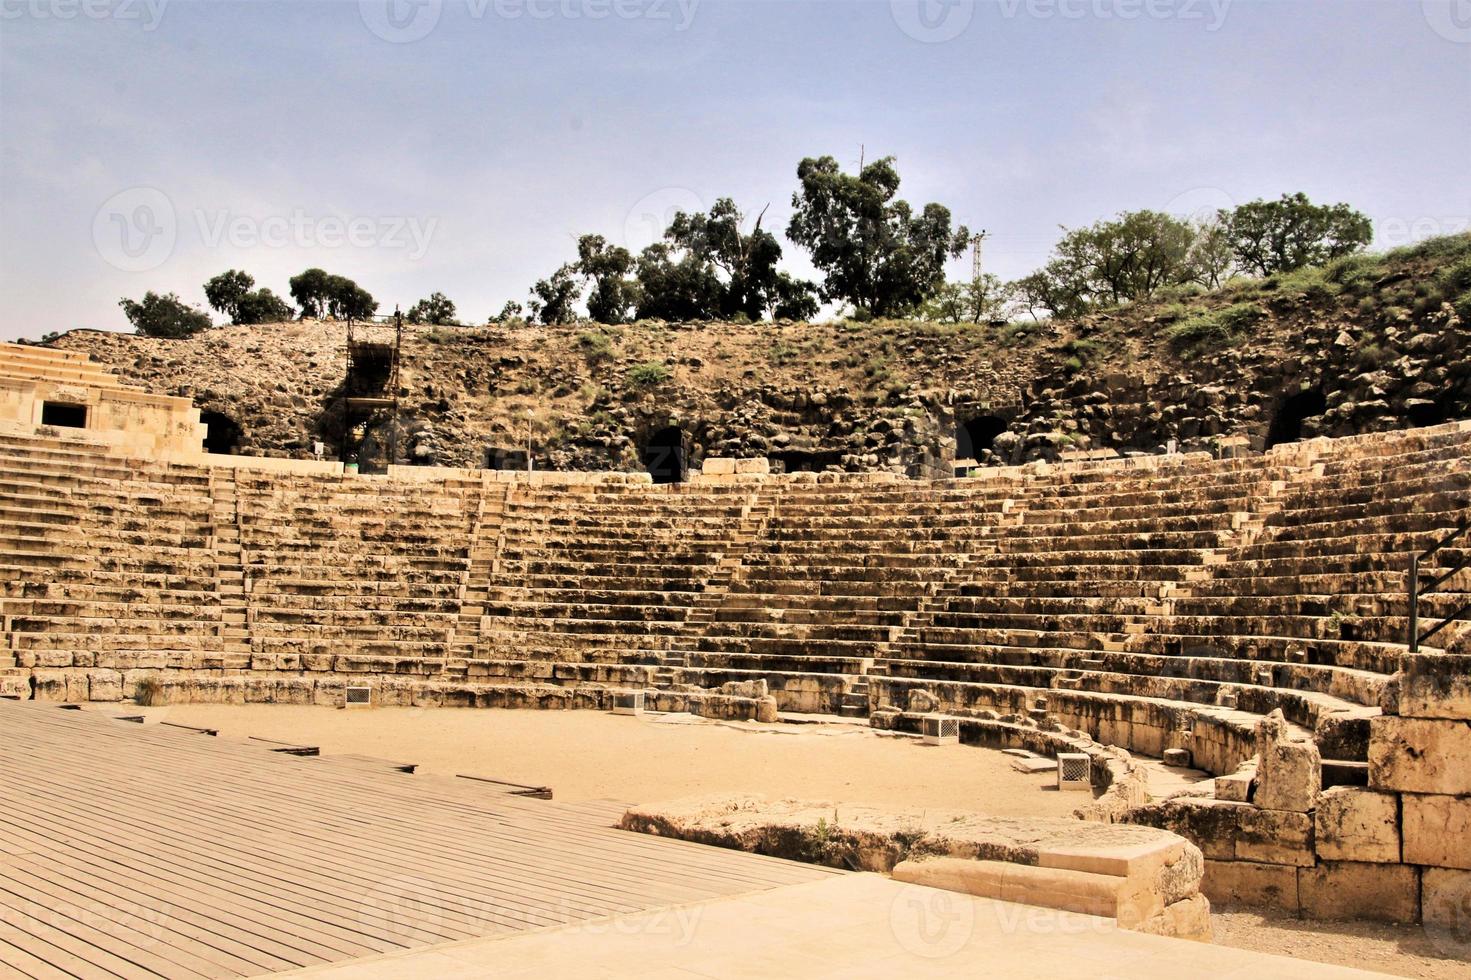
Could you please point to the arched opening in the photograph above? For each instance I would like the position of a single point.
(664, 455)
(222, 433)
(976, 436)
(1422, 413)
(805, 460)
(1287, 425)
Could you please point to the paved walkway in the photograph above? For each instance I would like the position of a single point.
(851, 927)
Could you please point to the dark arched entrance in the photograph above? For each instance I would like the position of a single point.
(1287, 424)
(222, 433)
(977, 435)
(664, 455)
(1423, 413)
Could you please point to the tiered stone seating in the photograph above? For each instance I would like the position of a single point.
(834, 576)
(594, 582)
(1210, 595)
(105, 563)
(354, 575)
(1147, 602)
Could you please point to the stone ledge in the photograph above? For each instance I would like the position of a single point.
(1146, 879)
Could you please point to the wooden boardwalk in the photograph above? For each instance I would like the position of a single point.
(148, 851)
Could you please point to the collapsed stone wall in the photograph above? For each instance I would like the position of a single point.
(1392, 843)
(892, 396)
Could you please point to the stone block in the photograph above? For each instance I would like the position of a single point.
(1437, 830)
(1289, 777)
(1445, 906)
(1435, 685)
(1352, 890)
(1420, 755)
(1357, 825)
(1251, 883)
(1275, 836)
(718, 466)
(104, 685)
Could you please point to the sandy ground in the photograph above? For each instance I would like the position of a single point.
(586, 755)
(590, 755)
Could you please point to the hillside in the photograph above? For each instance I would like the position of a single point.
(1367, 343)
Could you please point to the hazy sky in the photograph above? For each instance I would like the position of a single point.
(462, 146)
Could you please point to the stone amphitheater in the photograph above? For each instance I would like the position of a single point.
(1247, 617)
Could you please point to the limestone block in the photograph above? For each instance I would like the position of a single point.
(718, 466)
(1189, 918)
(1420, 755)
(104, 685)
(1289, 777)
(1251, 883)
(1445, 903)
(1275, 836)
(1437, 830)
(1434, 685)
(1352, 890)
(1352, 824)
(759, 465)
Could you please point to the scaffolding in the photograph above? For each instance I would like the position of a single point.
(372, 382)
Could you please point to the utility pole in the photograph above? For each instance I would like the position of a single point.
(975, 255)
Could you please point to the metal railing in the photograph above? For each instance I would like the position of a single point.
(1417, 591)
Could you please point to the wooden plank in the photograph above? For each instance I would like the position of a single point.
(252, 861)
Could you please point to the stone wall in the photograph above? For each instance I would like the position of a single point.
(1395, 847)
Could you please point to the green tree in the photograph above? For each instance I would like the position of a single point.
(978, 301)
(1286, 234)
(552, 298)
(607, 268)
(164, 316)
(225, 291)
(437, 311)
(1212, 259)
(511, 311)
(346, 300)
(795, 299)
(262, 306)
(874, 251)
(680, 289)
(312, 291)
